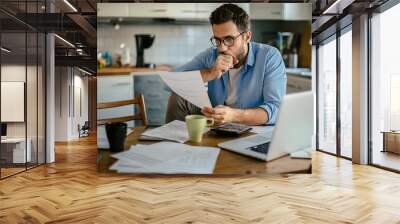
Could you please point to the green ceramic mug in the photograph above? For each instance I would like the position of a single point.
(195, 125)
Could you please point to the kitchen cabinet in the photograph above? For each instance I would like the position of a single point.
(113, 10)
(115, 88)
(149, 10)
(156, 95)
(266, 11)
(163, 10)
(297, 11)
(204, 10)
(184, 11)
(278, 11)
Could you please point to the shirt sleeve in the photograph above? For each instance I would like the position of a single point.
(274, 87)
(198, 62)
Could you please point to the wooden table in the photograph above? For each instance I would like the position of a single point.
(228, 163)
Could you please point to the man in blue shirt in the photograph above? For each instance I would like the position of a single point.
(246, 80)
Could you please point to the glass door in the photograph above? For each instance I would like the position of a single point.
(327, 96)
(385, 89)
(346, 93)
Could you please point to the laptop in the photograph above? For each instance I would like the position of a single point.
(292, 132)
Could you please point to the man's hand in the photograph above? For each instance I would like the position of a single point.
(220, 114)
(224, 114)
(222, 64)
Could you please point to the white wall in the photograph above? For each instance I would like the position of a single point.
(173, 44)
(68, 81)
(33, 127)
(16, 73)
(80, 83)
(62, 80)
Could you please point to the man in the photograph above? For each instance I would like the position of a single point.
(246, 80)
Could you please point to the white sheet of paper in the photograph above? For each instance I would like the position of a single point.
(167, 158)
(173, 131)
(102, 141)
(157, 153)
(188, 85)
(200, 159)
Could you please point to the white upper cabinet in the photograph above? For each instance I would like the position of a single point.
(266, 11)
(182, 11)
(190, 11)
(297, 11)
(148, 10)
(202, 11)
(113, 10)
(279, 11)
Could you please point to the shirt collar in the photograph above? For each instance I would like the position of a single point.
(250, 55)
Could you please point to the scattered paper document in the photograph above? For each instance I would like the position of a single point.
(188, 85)
(102, 141)
(173, 131)
(167, 158)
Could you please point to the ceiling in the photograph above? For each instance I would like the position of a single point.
(73, 20)
(330, 15)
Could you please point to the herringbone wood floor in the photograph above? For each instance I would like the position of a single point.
(70, 191)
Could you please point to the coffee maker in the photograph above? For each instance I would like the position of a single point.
(143, 41)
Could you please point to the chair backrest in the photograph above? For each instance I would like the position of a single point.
(139, 100)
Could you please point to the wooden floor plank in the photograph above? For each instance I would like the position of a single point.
(71, 191)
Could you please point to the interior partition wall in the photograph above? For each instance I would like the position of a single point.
(22, 77)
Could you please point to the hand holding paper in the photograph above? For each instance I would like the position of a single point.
(188, 85)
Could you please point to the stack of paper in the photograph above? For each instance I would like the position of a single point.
(174, 131)
(166, 158)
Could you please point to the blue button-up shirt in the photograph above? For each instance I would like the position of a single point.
(261, 82)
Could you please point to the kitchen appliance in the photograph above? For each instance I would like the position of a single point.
(143, 41)
(3, 130)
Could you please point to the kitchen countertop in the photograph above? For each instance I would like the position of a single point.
(302, 72)
(129, 70)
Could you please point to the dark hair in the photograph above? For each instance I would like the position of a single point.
(228, 12)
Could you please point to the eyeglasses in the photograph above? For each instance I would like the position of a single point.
(228, 41)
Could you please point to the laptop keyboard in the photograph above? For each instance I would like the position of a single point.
(262, 148)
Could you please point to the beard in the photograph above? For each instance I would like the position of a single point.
(241, 57)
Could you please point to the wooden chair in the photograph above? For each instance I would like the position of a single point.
(139, 100)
